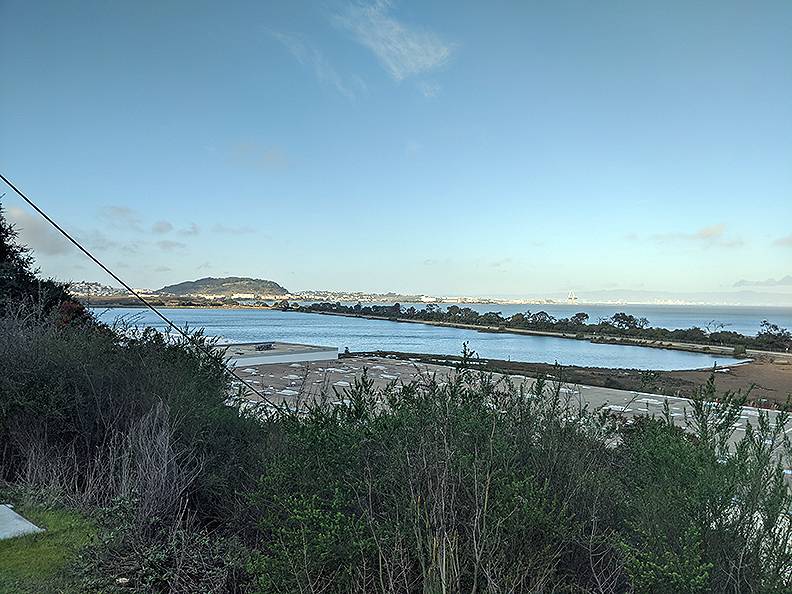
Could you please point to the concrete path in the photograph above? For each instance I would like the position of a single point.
(305, 381)
(12, 524)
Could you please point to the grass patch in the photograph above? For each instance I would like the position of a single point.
(36, 563)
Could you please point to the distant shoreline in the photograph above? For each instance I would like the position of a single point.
(129, 301)
(591, 338)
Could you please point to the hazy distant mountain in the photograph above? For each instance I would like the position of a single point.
(227, 287)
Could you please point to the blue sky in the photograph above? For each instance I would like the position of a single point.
(499, 148)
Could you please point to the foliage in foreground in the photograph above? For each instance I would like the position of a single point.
(449, 484)
(475, 486)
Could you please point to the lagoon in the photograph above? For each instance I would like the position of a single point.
(359, 334)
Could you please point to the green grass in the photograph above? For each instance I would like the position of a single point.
(37, 563)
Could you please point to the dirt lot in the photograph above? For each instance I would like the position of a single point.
(771, 380)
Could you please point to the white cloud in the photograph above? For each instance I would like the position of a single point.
(220, 228)
(429, 89)
(121, 217)
(166, 245)
(311, 57)
(252, 154)
(162, 227)
(193, 229)
(37, 233)
(712, 235)
(401, 49)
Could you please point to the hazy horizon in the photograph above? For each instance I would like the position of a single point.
(739, 298)
(511, 149)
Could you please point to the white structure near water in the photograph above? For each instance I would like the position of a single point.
(264, 353)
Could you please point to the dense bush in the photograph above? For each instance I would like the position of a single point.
(462, 483)
(76, 407)
(477, 486)
(159, 555)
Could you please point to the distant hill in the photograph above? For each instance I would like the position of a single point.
(228, 286)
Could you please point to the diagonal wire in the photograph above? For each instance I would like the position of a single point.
(189, 338)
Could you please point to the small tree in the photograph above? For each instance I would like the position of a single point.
(772, 336)
(625, 321)
(579, 318)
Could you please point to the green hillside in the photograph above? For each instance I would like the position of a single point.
(227, 286)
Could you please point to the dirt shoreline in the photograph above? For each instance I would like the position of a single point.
(768, 383)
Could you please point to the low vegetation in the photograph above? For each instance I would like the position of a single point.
(444, 485)
(621, 325)
(41, 563)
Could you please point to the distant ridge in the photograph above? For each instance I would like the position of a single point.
(226, 287)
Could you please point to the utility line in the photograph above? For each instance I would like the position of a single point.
(189, 338)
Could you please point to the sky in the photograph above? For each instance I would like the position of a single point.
(447, 148)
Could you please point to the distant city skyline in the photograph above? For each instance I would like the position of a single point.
(517, 149)
(742, 297)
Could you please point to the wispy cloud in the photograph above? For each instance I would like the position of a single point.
(161, 227)
(311, 57)
(503, 262)
(437, 262)
(220, 228)
(430, 89)
(168, 245)
(785, 281)
(709, 236)
(402, 50)
(253, 154)
(98, 241)
(121, 217)
(784, 241)
(193, 229)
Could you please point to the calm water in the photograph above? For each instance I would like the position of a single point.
(742, 319)
(363, 335)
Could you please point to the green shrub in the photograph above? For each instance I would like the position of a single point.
(74, 398)
(177, 555)
(440, 486)
(478, 486)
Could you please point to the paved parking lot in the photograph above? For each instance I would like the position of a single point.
(296, 382)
